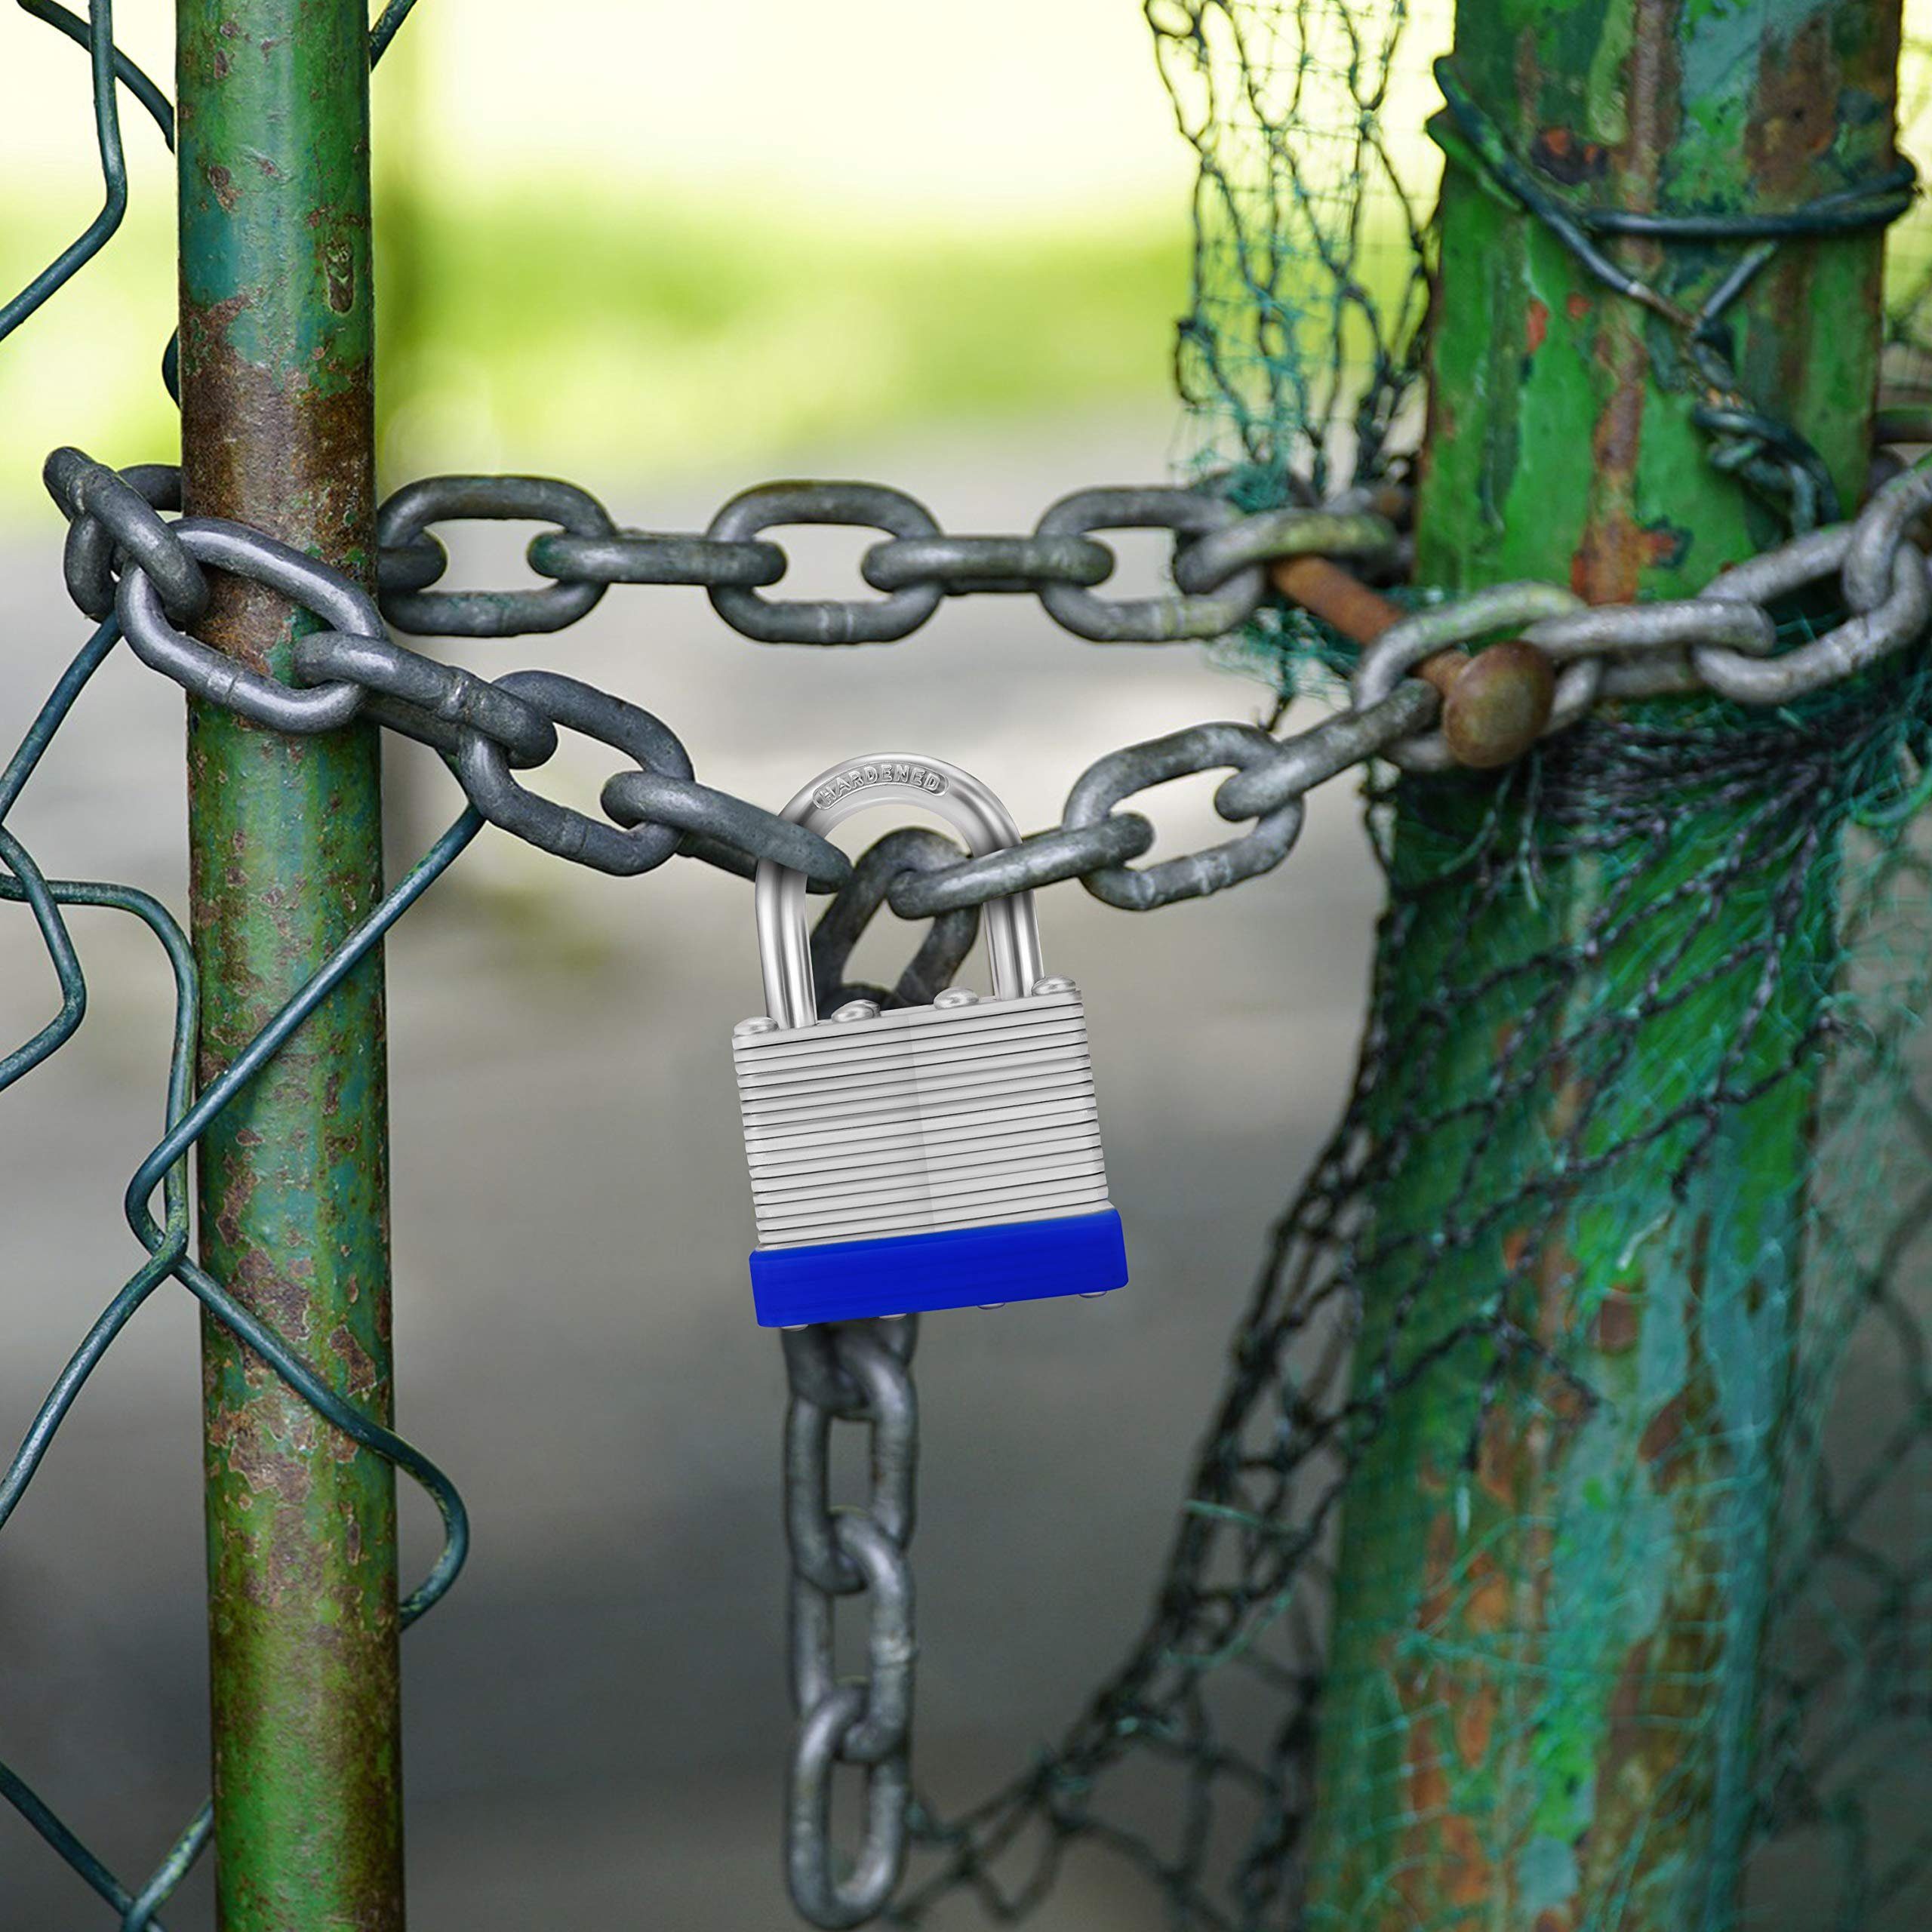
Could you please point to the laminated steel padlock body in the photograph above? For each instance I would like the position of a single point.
(942, 1156)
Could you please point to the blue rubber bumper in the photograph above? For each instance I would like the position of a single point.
(857, 1280)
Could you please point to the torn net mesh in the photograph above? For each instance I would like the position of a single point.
(1558, 1557)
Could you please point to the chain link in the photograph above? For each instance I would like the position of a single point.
(647, 556)
(858, 1372)
(1136, 767)
(910, 852)
(962, 566)
(484, 766)
(422, 698)
(726, 824)
(113, 520)
(824, 620)
(212, 675)
(1046, 858)
(1159, 620)
(403, 524)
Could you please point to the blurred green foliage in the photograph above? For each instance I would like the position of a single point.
(642, 335)
(663, 335)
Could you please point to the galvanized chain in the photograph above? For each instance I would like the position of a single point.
(915, 568)
(123, 553)
(857, 1372)
(125, 556)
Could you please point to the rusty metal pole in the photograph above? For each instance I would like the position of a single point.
(285, 840)
(1543, 1699)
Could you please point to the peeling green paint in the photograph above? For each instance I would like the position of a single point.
(1606, 104)
(1537, 1716)
(1539, 1707)
(1764, 106)
(1724, 41)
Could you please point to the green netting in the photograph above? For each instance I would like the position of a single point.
(1622, 1445)
(1559, 1556)
(1300, 354)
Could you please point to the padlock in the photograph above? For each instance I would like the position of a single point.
(940, 1156)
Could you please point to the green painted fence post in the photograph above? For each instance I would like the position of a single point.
(1543, 1681)
(285, 838)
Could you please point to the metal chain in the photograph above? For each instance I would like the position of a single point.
(124, 554)
(1722, 641)
(858, 1372)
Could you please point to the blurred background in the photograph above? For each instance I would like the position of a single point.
(659, 239)
(667, 251)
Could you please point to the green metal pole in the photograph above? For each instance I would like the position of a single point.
(285, 842)
(1543, 1681)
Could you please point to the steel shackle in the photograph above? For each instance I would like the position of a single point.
(856, 785)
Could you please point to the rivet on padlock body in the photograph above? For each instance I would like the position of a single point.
(941, 1156)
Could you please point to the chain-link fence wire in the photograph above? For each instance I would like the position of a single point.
(189, 1114)
(1556, 1556)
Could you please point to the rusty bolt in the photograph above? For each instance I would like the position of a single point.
(1495, 705)
(1498, 706)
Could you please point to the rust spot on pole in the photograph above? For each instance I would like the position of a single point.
(1544, 1654)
